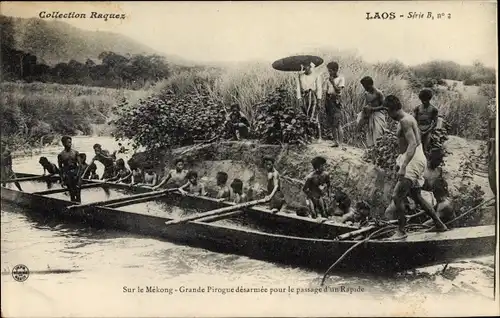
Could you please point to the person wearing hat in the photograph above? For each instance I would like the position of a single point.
(309, 90)
(237, 124)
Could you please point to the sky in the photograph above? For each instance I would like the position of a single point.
(241, 31)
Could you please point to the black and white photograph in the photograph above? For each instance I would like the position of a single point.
(254, 158)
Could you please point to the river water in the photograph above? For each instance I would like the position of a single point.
(106, 270)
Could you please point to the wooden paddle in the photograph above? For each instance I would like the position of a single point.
(217, 212)
(132, 201)
(137, 196)
(373, 227)
(25, 179)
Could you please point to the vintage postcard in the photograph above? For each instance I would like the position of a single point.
(249, 159)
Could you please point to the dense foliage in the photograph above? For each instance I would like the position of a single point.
(385, 153)
(277, 122)
(168, 120)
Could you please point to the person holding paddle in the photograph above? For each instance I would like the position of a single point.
(177, 176)
(193, 186)
(6, 169)
(107, 160)
(68, 167)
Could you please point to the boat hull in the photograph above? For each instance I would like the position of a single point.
(301, 243)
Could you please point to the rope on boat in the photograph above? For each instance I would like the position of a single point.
(381, 230)
(469, 211)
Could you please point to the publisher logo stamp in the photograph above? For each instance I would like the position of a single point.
(20, 273)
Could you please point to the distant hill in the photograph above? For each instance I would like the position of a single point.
(55, 41)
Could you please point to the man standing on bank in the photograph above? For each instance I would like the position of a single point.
(68, 169)
(411, 164)
(309, 93)
(334, 85)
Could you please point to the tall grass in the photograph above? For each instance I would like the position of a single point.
(248, 83)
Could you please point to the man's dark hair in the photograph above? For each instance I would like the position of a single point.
(97, 146)
(178, 160)
(237, 185)
(133, 164)
(83, 156)
(192, 174)
(362, 205)
(222, 177)
(235, 106)
(332, 66)
(268, 158)
(43, 160)
(316, 162)
(392, 103)
(367, 80)
(65, 138)
(425, 94)
(120, 162)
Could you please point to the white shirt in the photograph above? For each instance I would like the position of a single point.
(310, 82)
(335, 88)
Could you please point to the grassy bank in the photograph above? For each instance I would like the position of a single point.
(465, 108)
(32, 114)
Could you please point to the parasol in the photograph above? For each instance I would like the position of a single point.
(294, 63)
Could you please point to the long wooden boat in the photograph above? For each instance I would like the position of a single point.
(261, 234)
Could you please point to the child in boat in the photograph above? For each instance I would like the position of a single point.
(343, 203)
(277, 201)
(137, 173)
(150, 177)
(107, 160)
(177, 176)
(193, 186)
(444, 207)
(237, 195)
(426, 116)
(48, 166)
(122, 174)
(316, 184)
(86, 171)
(360, 214)
(223, 191)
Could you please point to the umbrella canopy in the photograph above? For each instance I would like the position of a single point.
(293, 63)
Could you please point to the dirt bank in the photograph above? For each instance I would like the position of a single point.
(361, 180)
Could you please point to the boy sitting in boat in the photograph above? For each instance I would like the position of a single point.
(277, 201)
(444, 207)
(316, 184)
(122, 174)
(86, 171)
(137, 176)
(6, 168)
(223, 191)
(193, 186)
(48, 166)
(360, 214)
(342, 202)
(150, 177)
(237, 195)
(177, 176)
(107, 160)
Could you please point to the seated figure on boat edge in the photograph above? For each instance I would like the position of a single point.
(174, 178)
(274, 195)
(193, 186)
(316, 187)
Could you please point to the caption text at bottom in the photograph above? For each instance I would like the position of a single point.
(242, 290)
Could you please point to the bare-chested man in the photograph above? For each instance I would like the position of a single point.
(411, 164)
(177, 176)
(277, 200)
(426, 116)
(68, 169)
(317, 184)
(6, 168)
